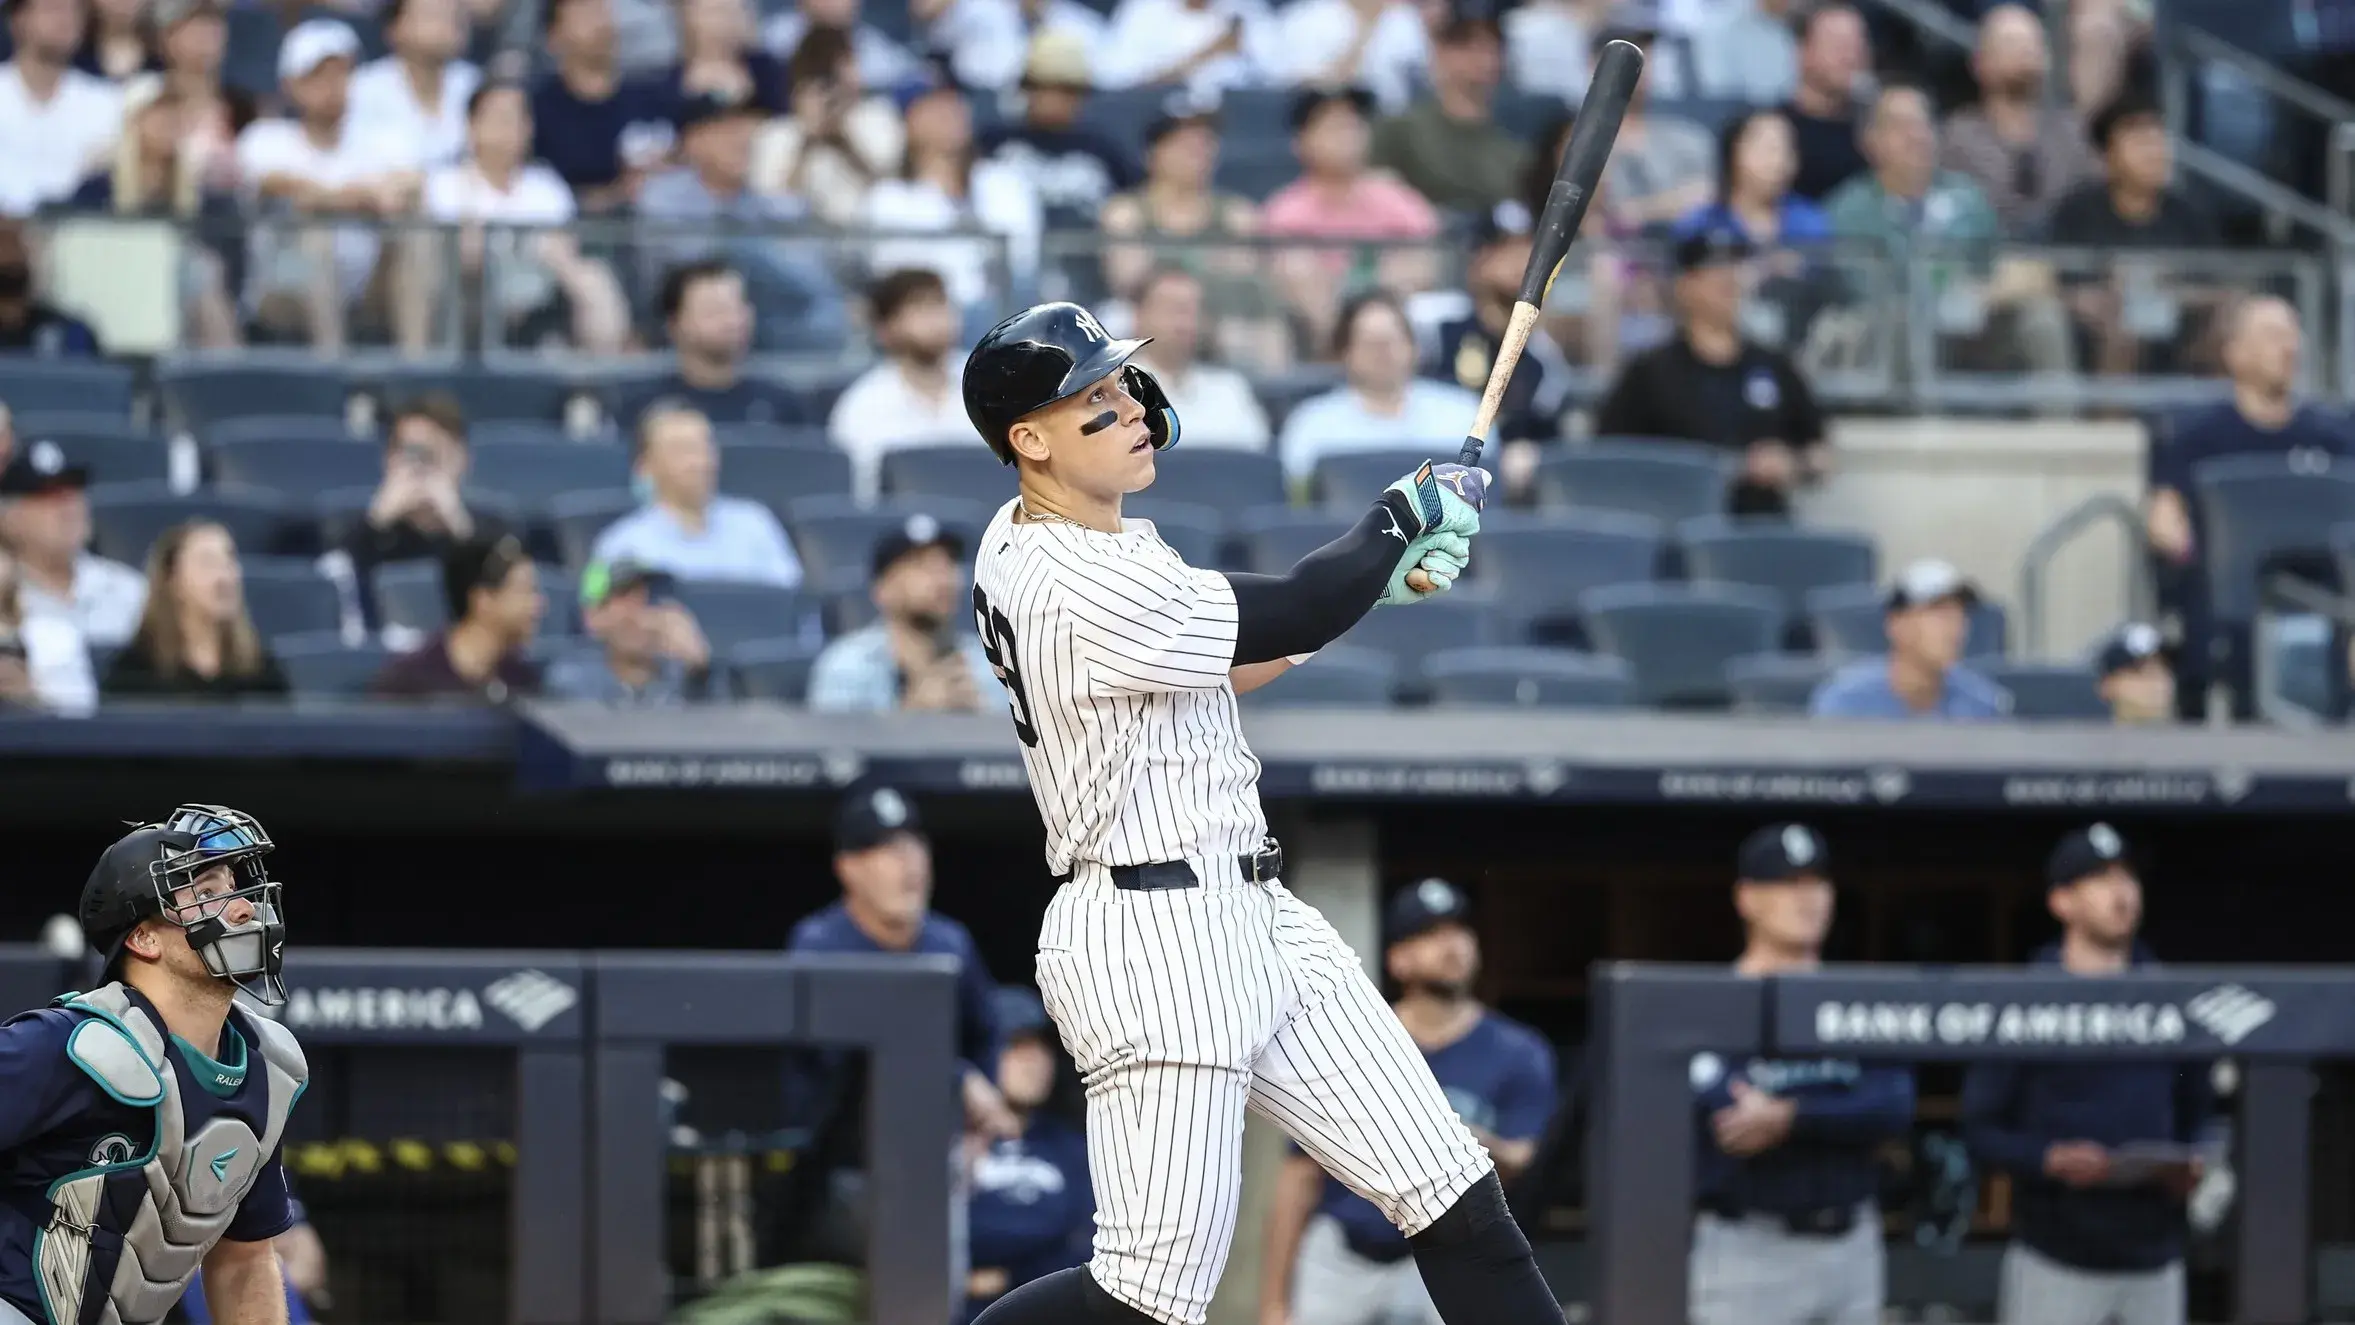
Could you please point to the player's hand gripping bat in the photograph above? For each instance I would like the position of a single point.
(1597, 127)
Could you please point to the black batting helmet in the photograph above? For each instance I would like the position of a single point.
(1047, 353)
(137, 878)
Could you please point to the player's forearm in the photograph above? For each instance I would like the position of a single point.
(1880, 1106)
(1331, 589)
(242, 1284)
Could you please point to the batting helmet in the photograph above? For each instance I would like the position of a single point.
(137, 878)
(1052, 352)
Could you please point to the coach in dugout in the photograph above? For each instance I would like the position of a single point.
(2102, 1155)
(1789, 1229)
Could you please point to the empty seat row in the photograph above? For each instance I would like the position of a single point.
(322, 665)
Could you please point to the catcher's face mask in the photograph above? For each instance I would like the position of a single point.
(234, 925)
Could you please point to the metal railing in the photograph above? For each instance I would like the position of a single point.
(2036, 563)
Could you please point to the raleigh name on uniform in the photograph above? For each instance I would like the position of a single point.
(1188, 984)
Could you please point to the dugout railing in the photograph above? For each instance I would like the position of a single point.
(1650, 1022)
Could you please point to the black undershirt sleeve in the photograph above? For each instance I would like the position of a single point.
(1327, 592)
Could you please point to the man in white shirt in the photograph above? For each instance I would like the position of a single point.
(56, 122)
(1217, 403)
(422, 87)
(1379, 45)
(1382, 404)
(686, 529)
(910, 397)
(1204, 45)
(45, 519)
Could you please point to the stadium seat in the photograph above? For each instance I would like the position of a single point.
(199, 396)
(486, 393)
(2051, 692)
(523, 432)
(323, 666)
(536, 473)
(288, 596)
(1195, 533)
(846, 610)
(1282, 393)
(577, 518)
(1667, 480)
(1774, 682)
(1227, 479)
(408, 594)
(790, 435)
(1353, 479)
(1774, 555)
(112, 448)
(126, 517)
(297, 465)
(733, 614)
(777, 476)
(1273, 538)
(1849, 620)
(2256, 510)
(1410, 637)
(322, 428)
(916, 473)
(776, 668)
(1338, 677)
(30, 385)
(836, 540)
(1523, 677)
(1678, 638)
(1536, 567)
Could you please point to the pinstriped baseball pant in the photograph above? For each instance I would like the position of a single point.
(1185, 1008)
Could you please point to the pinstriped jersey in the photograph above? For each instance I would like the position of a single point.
(1114, 654)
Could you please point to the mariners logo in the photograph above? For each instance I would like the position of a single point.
(113, 1148)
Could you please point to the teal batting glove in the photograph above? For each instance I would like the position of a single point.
(1442, 556)
(1446, 498)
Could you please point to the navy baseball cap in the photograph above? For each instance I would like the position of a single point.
(2089, 850)
(39, 468)
(705, 107)
(1712, 246)
(1782, 853)
(917, 532)
(2134, 644)
(1019, 1012)
(1423, 908)
(873, 816)
(1509, 219)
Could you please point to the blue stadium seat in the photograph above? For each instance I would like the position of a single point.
(733, 614)
(2051, 692)
(836, 541)
(126, 517)
(1774, 682)
(777, 669)
(1678, 638)
(485, 393)
(577, 518)
(200, 394)
(1273, 538)
(1849, 620)
(409, 594)
(250, 63)
(1125, 113)
(288, 596)
(112, 448)
(778, 476)
(536, 473)
(1281, 393)
(793, 436)
(323, 666)
(1774, 555)
(524, 432)
(31, 385)
(1538, 566)
(297, 466)
(1338, 677)
(918, 473)
(1666, 480)
(562, 589)
(1412, 636)
(1524, 677)
(1218, 476)
(1196, 533)
(326, 429)
(1353, 479)
(2255, 509)
(1255, 170)
(846, 610)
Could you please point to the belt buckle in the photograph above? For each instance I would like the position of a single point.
(1267, 863)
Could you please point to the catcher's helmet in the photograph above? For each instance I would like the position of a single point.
(137, 877)
(1048, 353)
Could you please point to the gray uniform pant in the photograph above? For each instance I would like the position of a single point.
(1332, 1285)
(1756, 1271)
(11, 1316)
(2038, 1290)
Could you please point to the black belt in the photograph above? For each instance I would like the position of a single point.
(1260, 866)
(1830, 1221)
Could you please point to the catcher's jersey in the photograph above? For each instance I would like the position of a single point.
(1114, 654)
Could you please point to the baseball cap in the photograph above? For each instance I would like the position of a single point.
(1058, 58)
(716, 104)
(926, 80)
(1780, 853)
(872, 816)
(602, 580)
(39, 468)
(2089, 850)
(1183, 107)
(2130, 646)
(1467, 19)
(917, 532)
(1930, 581)
(1712, 246)
(1509, 219)
(1019, 1011)
(313, 42)
(1423, 908)
(1309, 100)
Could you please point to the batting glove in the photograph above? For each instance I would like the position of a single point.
(1445, 498)
(1442, 556)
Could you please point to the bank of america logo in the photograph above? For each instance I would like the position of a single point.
(2229, 1012)
(530, 999)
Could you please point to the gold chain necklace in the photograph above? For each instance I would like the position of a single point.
(1041, 517)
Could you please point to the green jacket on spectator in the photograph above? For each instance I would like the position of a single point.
(1952, 213)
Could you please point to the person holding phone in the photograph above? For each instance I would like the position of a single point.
(649, 650)
(914, 656)
(419, 510)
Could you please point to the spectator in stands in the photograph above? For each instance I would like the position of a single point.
(1748, 53)
(1072, 165)
(943, 186)
(29, 324)
(597, 128)
(1204, 45)
(1905, 198)
(2136, 680)
(156, 172)
(1381, 403)
(2023, 151)
(1549, 46)
(1659, 168)
(920, 654)
(1032, 1210)
(1711, 383)
(837, 142)
(119, 43)
(45, 522)
(910, 396)
(2085, 1232)
(55, 120)
(687, 528)
(883, 62)
(1757, 158)
(44, 662)
(1338, 198)
(989, 40)
(2132, 207)
(419, 511)
(195, 638)
(1379, 45)
(718, 58)
(1923, 675)
(710, 325)
(650, 652)
(1539, 392)
(326, 161)
(1448, 145)
(1835, 62)
(513, 248)
(420, 89)
(492, 591)
(1215, 403)
(193, 37)
(1177, 208)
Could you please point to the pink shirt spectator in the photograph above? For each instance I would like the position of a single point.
(1375, 209)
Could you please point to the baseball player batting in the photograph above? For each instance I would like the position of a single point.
(1187, 982)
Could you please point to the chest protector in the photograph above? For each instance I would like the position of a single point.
(132, 1234)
